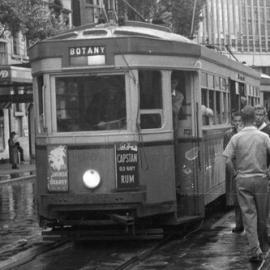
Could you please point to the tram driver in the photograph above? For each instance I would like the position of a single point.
(107, 110)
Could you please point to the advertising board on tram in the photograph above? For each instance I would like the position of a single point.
(126, 155)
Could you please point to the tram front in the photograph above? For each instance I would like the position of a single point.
(104, 139)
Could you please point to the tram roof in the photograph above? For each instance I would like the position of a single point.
(130, 28)
(142, 35)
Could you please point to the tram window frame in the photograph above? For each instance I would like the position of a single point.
(72, 108)
(40, 102)
(214, 99)
(2, 131)
(151, 113)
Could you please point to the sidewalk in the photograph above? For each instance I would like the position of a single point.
(5, 168)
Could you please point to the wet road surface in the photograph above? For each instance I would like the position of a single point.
(215, 248)
(88, 256)
(18, 221)
(211, 248)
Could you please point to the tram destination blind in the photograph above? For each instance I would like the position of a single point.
(126, 155)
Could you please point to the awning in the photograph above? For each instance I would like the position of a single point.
(13, 78)
(10, 75)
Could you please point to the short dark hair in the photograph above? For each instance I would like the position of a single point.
(260, 108)
(13, 133)
(235, 114)
(248, 114)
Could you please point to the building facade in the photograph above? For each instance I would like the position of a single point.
(240, 29)
(91, 11)
(15, 92)
(16, 108)
(239, 26)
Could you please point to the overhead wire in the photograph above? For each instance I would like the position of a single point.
(134, 9)
(133, 77)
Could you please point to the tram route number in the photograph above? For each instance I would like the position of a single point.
(126, 156)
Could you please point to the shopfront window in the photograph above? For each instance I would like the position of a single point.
(87, 103)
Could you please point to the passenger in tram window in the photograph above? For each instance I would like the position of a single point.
(207, 116)
(177, 97)
(249, 147)
(177, 102)
(230, 180)
(13, 150)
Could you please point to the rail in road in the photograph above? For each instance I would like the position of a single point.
(8, 175)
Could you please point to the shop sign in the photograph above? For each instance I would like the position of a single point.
(126, 156)
(4, 74)
(57, 177)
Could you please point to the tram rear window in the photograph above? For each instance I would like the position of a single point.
(87, 103)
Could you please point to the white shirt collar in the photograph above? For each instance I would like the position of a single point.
(248, 128)
(263, 125)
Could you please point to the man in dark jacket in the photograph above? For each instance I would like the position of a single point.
(13, 151)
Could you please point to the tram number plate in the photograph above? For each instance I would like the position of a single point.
(126, 156)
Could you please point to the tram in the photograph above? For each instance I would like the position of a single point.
(109, 150)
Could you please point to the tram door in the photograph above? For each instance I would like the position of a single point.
(186, 144)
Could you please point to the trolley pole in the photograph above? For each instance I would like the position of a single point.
(193, 18)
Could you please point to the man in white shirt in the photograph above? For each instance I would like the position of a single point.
(246, 156)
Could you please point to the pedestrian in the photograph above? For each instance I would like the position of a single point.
(260, 119)
(20, 150)
(249, 148)
(13, 151)
(230, 179)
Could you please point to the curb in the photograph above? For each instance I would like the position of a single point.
(21, 178)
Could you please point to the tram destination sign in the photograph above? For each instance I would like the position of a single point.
(126, 156)
(87, 55)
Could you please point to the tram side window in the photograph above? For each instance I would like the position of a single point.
(2, 134)
(215, 100)
(90, 103)
(150, 99)
(40, 85)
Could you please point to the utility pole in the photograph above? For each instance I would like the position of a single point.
(193, 18)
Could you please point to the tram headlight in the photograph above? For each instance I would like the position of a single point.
(91, 179)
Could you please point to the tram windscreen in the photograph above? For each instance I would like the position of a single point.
(86, 103)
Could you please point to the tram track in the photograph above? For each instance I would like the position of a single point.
(149, 252)
(101, 255)
(28, 254)
(176, 247)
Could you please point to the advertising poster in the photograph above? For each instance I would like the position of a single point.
(126, 155)
(57, 178)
